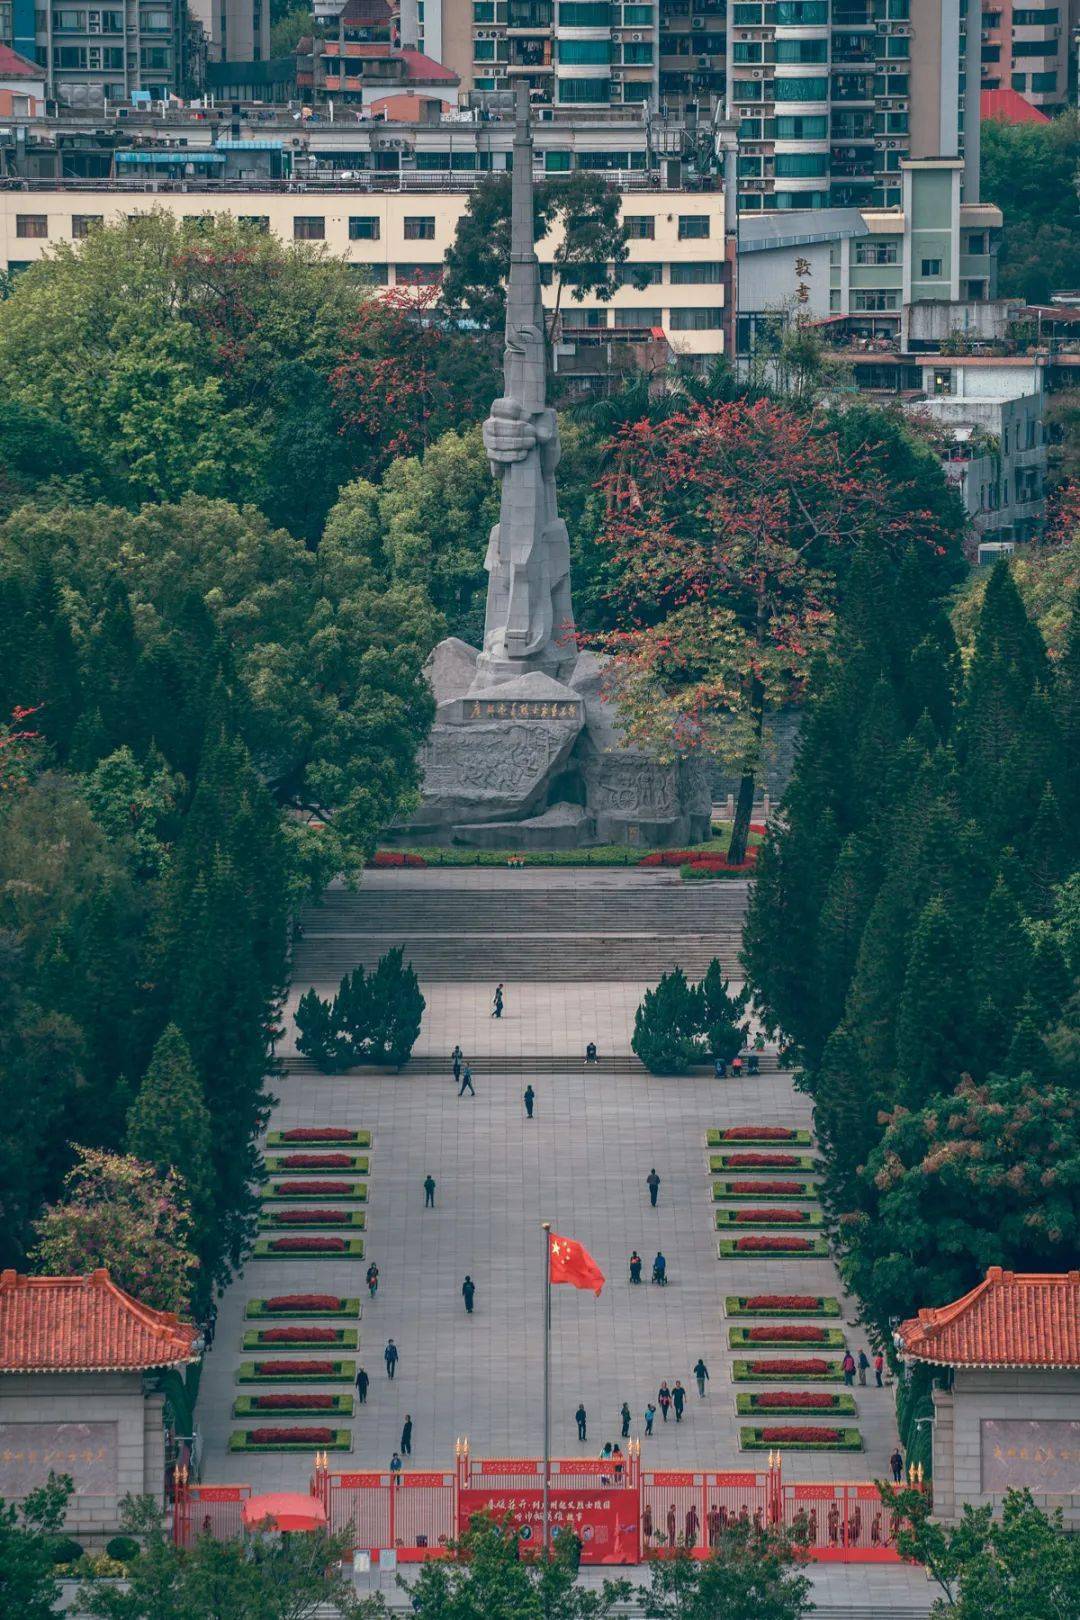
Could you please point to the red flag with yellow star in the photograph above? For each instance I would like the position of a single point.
(571, 1262)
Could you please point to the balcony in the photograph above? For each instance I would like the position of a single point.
(852, 88)
(529, 17)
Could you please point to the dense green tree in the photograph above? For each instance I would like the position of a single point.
(1030, 171)
(666, 1026)
(169, 1126)
(750, 1575)
(29, 1534)
(932, 1026)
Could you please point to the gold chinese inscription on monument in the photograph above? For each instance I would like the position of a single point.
(1041, 1453)
(523, 709)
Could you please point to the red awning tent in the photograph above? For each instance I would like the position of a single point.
(283, 1510)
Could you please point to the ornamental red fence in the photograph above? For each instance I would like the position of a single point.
(207, 1510)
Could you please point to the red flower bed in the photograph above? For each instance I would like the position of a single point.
(317, 1133)
(312, 1403)
(770, 1133)
(751, 1217)
(304, 1302)
(791, 1435)
(782, 1302)
(292, 1437)
(291, 1369)
(763, 1188)
(782, 1398)
(293, 1335)
(704, 860)
(318, 1161)
(778, 1245)
(293, 1217)
(316, 1189)
(763, 1161)
(390, 859)
(786, 1330)
(323, 1244)
(812, 1364)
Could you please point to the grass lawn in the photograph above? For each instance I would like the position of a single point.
(258, 1308)
(750, 1440)
(337, 1372)
(775, 1144)
(818, 1250)
(747, 1406)
(353, 1250)
(349, 1340)
(244, 1407)
(735, 1305)
(741, 1374)
(831, 1339)
(727, 1218)
(240, 1440)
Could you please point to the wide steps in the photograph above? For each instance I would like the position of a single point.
(424, 1066)
(708, 909)
(541, 957)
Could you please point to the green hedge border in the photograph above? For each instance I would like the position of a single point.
(715, 1139)
(238, 1441)
(276, 1139)
(243, 1408)
(727, 1251)
(359, 1165)
(279, 1195)
(740, 1374)
(806, 1164)
(722, 1190)
(734, 1306)
(256, 1311)
(833, 1339)
(338, 1372)
(748, 1441)
(350, 1340)
(352, 1220)
(353, 1250)
(845, 1407)
(725, 1220)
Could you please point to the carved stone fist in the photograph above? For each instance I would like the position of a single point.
(508, 434)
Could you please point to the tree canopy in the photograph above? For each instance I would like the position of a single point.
(1030, 171)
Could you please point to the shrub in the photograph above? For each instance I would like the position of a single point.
(317, 1133)
(313, 1189)
(312, 1403)
(679, 1024)
(792, 1434)
(301, 1335)
(776, 1245)
(122, 1548)
(768, 1133)
(305, 1302)
(286, 1245)
(65, 1551)
(291, 1437)
(787, 1330)
(782, 1302)
(791, 1397)
(307, 1217)
(810, 1364)
(786, 1217)
(287, 1369)
(374, 1018)
(392, 859)
(317, 1161)
(763, 1188)
(761, 1161)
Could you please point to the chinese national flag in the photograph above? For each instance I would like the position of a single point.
(572, 1263)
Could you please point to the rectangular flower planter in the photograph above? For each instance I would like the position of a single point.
(327, 1136)
(258, 1308)
(756, 1136)
(356, 1164)
(739, 1339)
(802, 1164)
(349, 1339)
(763, 1194)
(337, 1372)
(726, 1218)
(792, 1369)
(245, 1407)
(240, 1440)
(750, 1440)
(727, 1250)
(353, 1250)
(748, 1406)
(350, 1219)
(738, 1305)
(278, 1192)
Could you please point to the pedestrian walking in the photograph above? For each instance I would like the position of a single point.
(390, 1356)
(678, 1400)
(652, 1181)
(848, 1365)
(456, 1058)
(693, 1525)
(466, 1082)
(362, 1381)
(879, 1369)
(664, 1400)
(671, 1523)
(372, 1279)
(635, 1267)
(650, 1417)
(468, 1294)
(896, 1463)
(429, 1191)
(582, 1421)
(605, 1456)
(701, 1373)
(617, 1459)
(624, 1413)
(406, 1436)
(864, 1363)
(530, 1098)
(497, 1002)
(395, 1464)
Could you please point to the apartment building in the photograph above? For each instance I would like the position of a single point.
(233, 30)
(1027, 48)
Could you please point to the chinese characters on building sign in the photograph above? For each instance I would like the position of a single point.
(1041, 1453)
(29, 1452)
(523, 709)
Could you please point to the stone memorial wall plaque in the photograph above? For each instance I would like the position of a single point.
(29, 1452)
(1040, 1453)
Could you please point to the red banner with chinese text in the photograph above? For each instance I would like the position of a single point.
(605, 1521)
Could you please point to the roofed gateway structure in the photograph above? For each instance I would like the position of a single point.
(524, 752)
(78, 1395)
(1008, 1412)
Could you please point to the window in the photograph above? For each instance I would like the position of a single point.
(897, 46)
(693, 227)
(637, 54)
(793, 13)
(155, 56)
(69, 22)
(637, 16)
(483, 50)
(1019, 81)
(638, 274)
(877, 253)
(801, 89)
(747, 90)
(363, 228)
(584, 320)
(31, 225)
(309, 228)
(931, 267)
(156, 22)
(697, 274)
(802, 50)
(483, 11)
(745, 51)
(83, 224)
(419, 227)
(640, 227)
(1034, 47)
(418, 275)
(869, 300)
(1046, 82)
(584, 52)
(747, 16)
(558, 162)
(69, 56)
(255, 222)
(638, 318)
(801, 165)
(696, 320)
(790, 127)
(584, 14)
(584, 91)
(1028, 17)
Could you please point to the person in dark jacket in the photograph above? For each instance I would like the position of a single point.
(582, 1421)
(429, 1191)
(390, 1356)
(625, 1415)
(530, 1098)
(678, 1400)
(635, 1267)
(652, 1181)
(466, 1082)
(663, 1400)
(468, 1294)
(701, 1373)
(362, 1382)
(406, 1436)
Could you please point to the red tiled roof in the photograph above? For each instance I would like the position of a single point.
(366, 14)
(14, 66)
(1011, 107)
(419, 66)
(84, 1324)
(1012, 1319)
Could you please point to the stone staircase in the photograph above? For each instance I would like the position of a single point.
(570, 931)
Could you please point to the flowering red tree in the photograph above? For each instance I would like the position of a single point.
(729, 523)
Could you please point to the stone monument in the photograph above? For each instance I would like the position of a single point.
(525, 753)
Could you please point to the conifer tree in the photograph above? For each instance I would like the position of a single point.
(169, 1125)
(1046, 853)
(932, 1049)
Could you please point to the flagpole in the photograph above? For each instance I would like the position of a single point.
(547, 1384)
